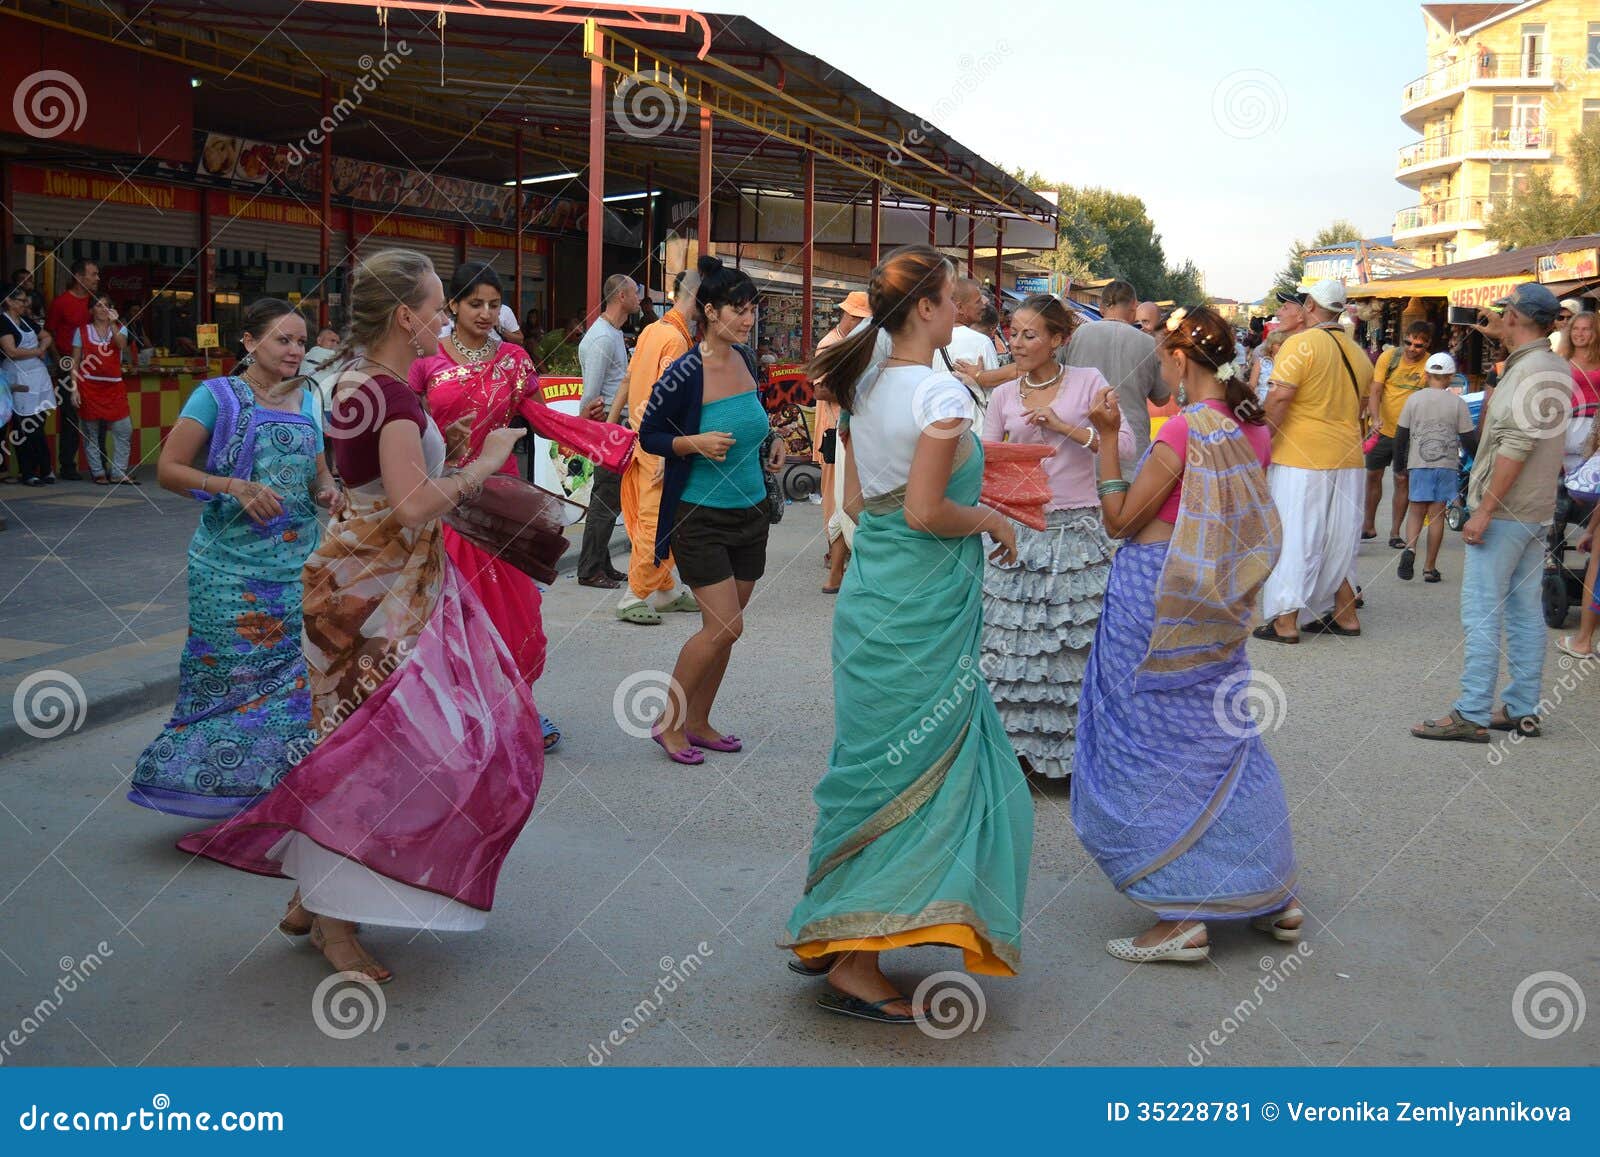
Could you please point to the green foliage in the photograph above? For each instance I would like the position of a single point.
(1103, 233)
(1289, 276)
(1539, 214)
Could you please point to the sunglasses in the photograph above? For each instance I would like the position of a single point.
(1416, 345)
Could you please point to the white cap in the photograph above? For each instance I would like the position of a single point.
(1328, 294)
(1572, 305)
(1441, 364)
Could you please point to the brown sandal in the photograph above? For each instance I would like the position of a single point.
(296, 920)
(345, 952)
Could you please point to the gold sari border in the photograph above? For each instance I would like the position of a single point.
(880, 925)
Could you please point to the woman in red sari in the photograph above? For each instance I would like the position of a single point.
(491, 382)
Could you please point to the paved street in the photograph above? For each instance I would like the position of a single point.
(1436, 877)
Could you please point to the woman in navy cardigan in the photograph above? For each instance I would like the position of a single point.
(706, 420)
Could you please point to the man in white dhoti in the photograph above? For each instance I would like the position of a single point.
(1319, 383)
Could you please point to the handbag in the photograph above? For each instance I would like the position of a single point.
(830, 445)
(1584, 480)
(774, 482)
(518, 523)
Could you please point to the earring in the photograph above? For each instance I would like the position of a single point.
(1183, 396)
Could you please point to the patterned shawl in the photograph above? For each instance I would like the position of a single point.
(1224, 546)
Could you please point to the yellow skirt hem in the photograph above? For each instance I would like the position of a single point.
(978, 957)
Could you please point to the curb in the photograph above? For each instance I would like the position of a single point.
(111, 697)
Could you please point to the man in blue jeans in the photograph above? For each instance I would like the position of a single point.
(1512, 495)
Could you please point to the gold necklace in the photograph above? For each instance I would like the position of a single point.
(472, 356)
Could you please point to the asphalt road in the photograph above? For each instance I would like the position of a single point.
(636, 917)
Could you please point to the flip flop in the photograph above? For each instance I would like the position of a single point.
(683, 603)
(830, 590)
(552, 733)
(798, 967)
(1459, 729)
(1397, 543)
(1408, 565)
(846, 1005)
(639, 614)
(1564, 645)
(1269, 632)
(726, 743)
(689, 757)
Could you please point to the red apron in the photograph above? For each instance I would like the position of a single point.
(103, 396)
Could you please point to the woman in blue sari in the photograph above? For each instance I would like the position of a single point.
(1174, 792)
(244, 709)
(925, 825)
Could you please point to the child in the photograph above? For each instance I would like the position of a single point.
(1433, 427)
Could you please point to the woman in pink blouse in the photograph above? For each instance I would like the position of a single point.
(1039, 614)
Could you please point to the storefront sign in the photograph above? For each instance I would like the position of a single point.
(82, 186)
(205, 336)
(1483, 294)
(492, 239)
(240, 207)
(1573, 265)
(1033, 285)
(406, 228)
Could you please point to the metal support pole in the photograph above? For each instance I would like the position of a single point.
(207, 261)
(703, 225)
(325, 241)
(972, 247)
(516, 236)
(650, 230)
(999, 251)
(597, 167)
(808, 226)
(933, 225)
(877, 212)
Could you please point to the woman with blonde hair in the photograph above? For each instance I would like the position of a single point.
(427, 753)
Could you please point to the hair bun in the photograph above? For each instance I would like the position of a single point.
(708, 265)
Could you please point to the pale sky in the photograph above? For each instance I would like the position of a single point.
(1135, 97)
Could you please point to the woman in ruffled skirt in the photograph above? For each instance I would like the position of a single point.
(1039, 614)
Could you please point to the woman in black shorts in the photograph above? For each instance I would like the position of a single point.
(706, 419)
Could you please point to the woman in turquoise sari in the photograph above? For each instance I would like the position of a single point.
(925, 825)
(243, 715)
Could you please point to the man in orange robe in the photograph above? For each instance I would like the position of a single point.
(652, 587)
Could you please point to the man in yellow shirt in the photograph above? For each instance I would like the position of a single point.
(652, 587)
(1319, 387)
(1400, 373)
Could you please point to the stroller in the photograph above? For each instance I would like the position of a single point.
(1455, 511)
(1563, 584)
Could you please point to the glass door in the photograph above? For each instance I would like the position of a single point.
(1534, 60)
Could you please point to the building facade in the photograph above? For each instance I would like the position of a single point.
(1508, 86)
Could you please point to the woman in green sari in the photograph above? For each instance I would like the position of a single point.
(925, 824)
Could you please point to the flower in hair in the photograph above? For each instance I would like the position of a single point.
(1227, 372)
(1176, 319)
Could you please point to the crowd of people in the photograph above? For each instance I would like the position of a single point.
(356, 707)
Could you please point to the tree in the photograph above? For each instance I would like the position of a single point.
(1290, 275)
(1104, 233)
(1540, 214)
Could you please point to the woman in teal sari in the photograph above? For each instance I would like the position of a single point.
(925, 824)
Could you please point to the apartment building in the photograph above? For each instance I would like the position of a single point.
(1507, 87)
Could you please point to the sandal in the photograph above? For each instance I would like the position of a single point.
(1269, 632)
(1271, 926)
(1432, 575)
(1528, 725)
(798, 966)
(1397, 543)
(639, 614)
(102, 479)
(1460, 729)
(1175, 947)
(352, 958)
(846, 1005)
(1564, 645)
(296, 920)
(127, 480)
(1328, 625)
(689, 756)
(686, 602)
(830, 590)
(552, 733)
(1408, 565)
(726, 743)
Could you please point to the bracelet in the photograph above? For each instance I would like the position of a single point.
(1111, 486)
(466, 488)
(1093, 444)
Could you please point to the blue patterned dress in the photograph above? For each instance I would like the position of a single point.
(243, 715)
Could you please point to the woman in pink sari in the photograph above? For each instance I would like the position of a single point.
(425, 757)
(489, 382)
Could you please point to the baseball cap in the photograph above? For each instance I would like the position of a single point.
(1328, 294)
(1291, 298)
(855, 304)
(1572, 305)
(1441, 364)
(1533, 301)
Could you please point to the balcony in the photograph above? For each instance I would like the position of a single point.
(1430, 155)
(1442, 218)
(1444, 151)
(1436, 91)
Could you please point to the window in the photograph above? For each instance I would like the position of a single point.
(1594, 46)
(1591, 112)
(1533, 54)
(1517, 121)
(1508, 180)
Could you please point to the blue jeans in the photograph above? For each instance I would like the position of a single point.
(1501, 585)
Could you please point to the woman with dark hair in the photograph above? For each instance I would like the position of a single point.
(248, 446)
(424, 759)
(924, 823)
(25, 376)
(706, 419)
(102, 399)
(484, 384)
(1039, 615)
(1174, 792)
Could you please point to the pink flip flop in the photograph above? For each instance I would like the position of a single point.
(690, 757)
(726, 743)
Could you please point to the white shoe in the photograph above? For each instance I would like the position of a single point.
(1269, 924)
(1173, 948)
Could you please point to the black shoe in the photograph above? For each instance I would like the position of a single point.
(48, 480)
(1269, 632)
(1408, 564)
(614, 573)
(33, 480)
(70, 476)
(603, 581)
(1328, 625)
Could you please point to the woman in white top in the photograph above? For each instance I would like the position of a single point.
(27, 381)
(924, 825)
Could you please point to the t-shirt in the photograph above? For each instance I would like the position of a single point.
(1436, 420)
(1174, 432)
(359, 416)
(201, 406)
(1126, 357)
(968, 345)
(892, 408)
(40, 395)
(1400, 380)
(1322, 428)
(68, 312)
(603, 355)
